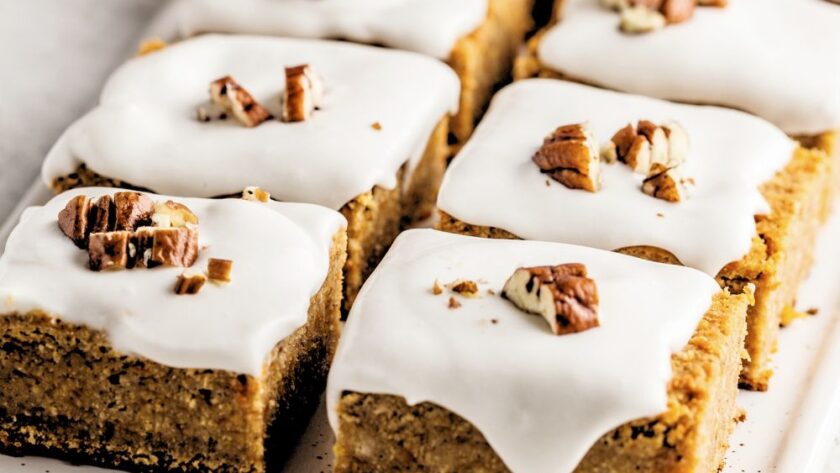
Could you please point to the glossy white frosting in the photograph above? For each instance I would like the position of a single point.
(144, 130)
(493, 181)
(430, 27)
(540, 400)
(779, 59)
(280, 254)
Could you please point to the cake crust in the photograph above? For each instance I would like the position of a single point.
(69, 394)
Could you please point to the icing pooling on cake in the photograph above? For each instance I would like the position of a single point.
(281, 258)
(430, 27)
(493, 181)
(144, 131)
(539, 399)
(779, 59)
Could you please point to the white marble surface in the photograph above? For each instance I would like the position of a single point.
(55, 55)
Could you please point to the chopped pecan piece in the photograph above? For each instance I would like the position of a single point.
(73, 220)
(647, 143)
(570, 156)
(228, 94)
(219, 270)
(723, 3)
(303, 93)
(255, 194)
(189, 284)
(177, 246)
(171, 214)
(102, 215)
(677, 11)
(133, 210)
(108, 250)
(665, 183)
(640, 19)
(563, 295)
(140, 248)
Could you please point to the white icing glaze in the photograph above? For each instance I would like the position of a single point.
(779, 59)
(280, 254)
(430, 27)
(540, 400)
(144, 130)
(493, 181)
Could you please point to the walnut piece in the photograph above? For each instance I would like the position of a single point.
(229, 95)
(570, 156)
(219, 270)
(665, 183)
(189, 284)
(563, 295)
(303, 93)
(255, 194)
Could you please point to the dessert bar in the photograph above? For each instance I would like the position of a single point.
(152, 333)
(447, 362)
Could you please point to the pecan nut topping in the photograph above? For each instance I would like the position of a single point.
(108, 250)
(189, 284)
(665, 183)
(226, 93)
(303, 93)
(571, 157)
(219, 270)
(73, 220)
(563, 295)
(646, 144)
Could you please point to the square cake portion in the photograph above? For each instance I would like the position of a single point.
(356, 128)
(153, 333)
(444, 366)
(478, 38)
(711, 188)
(720, 56)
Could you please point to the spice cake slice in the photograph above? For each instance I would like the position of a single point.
(355, 128)
(166, 334)
(478, 38)
(701, 57)
(715, 189)
(444, 366)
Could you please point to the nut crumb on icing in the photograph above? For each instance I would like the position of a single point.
(570, 156)
(376, 126)
(189, 284)
(256, 194)
(453, 303)
(219, 270)
(464, 287)
(437, 289)
(303, 93)
(563, 295)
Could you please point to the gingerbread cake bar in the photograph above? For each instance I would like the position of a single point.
(154, 333)
(445, 366)
(356, 128)
(705, 58)
(744, 202)
(478, 38)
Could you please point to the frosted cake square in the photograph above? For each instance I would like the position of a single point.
(707, 59)
(166, 334)
(438, 369)
(749, 200)
(478, 38)
(370, 140)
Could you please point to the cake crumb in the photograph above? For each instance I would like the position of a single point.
(453, 303)
(660, 214)
(789, 314)
(150, 45)
(494, 321)
(547, 183)
(812, 311)
(464, 287)
(491, 292)
(436, 288)
(376, 126)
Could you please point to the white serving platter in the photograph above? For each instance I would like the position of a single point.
(789, 429)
